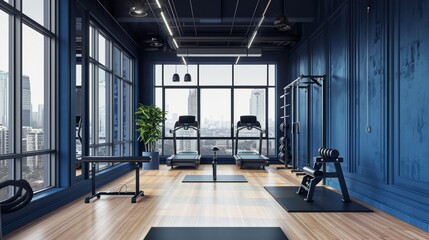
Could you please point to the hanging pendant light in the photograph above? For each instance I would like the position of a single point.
(176, 77)
(187, 75)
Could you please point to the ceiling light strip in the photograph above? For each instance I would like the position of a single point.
(175, 43)
(184, 61)
(259, 25)
(253, 38)
(236, 62)
(260, 21)
(266, 8)
(166, 24)
(159, 5)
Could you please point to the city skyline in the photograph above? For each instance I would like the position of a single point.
(30, 118)
(219, 126)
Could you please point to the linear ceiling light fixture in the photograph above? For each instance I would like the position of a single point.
(256, 29)
(166, 24)
(236, 62)
(175, 43)
(259, 25)
(219, 52)
(169, 29)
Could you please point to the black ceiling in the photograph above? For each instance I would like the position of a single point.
(208, 23)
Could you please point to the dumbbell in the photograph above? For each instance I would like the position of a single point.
(282, 127)
(333, 153)
(282, 156)
(282, 148)
(328, 152)
(282, 140)
(320, 151)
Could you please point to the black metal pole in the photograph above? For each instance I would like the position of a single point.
(308, 119)
(214, 166)
(324, 109)
(293, 136)
(137, 178)
(93, 179)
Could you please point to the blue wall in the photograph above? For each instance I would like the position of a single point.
(385, 167)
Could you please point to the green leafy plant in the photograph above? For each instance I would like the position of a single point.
(149, 119)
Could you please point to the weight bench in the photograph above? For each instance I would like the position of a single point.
(131, 159)
(313, 175)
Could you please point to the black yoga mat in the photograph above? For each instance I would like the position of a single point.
(209, 178)
(215, 233)
(324, 200)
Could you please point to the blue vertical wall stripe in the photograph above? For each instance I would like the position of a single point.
(386, 167)
(64, 107)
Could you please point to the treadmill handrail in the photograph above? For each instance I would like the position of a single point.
(262, 131)
(257, 128)
(173, 131)
(178, 128)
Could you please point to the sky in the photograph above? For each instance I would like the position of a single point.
(32, 48)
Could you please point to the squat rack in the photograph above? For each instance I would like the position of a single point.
(292, 89)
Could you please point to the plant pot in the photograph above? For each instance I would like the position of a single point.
(154, 164)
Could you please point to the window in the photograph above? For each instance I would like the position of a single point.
(218, 95)
(111, 97)
(36, 10)
(27, 126)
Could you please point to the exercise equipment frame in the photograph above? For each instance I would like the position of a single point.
(131, 159)
(292, 90)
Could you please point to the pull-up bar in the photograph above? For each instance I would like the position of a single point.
(313, 79)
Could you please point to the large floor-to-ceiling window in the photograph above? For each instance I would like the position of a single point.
(217, 95)
(27, 93)
(110, 96)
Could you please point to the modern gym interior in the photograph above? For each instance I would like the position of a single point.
(214, 119)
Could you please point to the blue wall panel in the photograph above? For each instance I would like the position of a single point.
(369, 95)
(337, 84)
(411, 95)
(301, 95)
(385, 167)
(318, 56)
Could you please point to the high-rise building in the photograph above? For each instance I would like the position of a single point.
(192, 102)
(40, 115)
(26, 101)
(190, 145)
(4, 98)
(257, 105)
(4, 140)
(35, 141)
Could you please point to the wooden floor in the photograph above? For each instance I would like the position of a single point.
(168, 202)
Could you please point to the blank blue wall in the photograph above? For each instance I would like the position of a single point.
(386, 167)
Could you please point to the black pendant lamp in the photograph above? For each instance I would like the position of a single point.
(176, 77)
(187, 75)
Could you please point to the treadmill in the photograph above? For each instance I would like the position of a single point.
(185, 158)
(250, 157)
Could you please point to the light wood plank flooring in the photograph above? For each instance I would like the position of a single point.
(168, 202)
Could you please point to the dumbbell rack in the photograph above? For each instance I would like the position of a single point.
(290, 117)
(285, 137)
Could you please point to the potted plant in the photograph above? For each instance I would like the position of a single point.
(149, 119)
